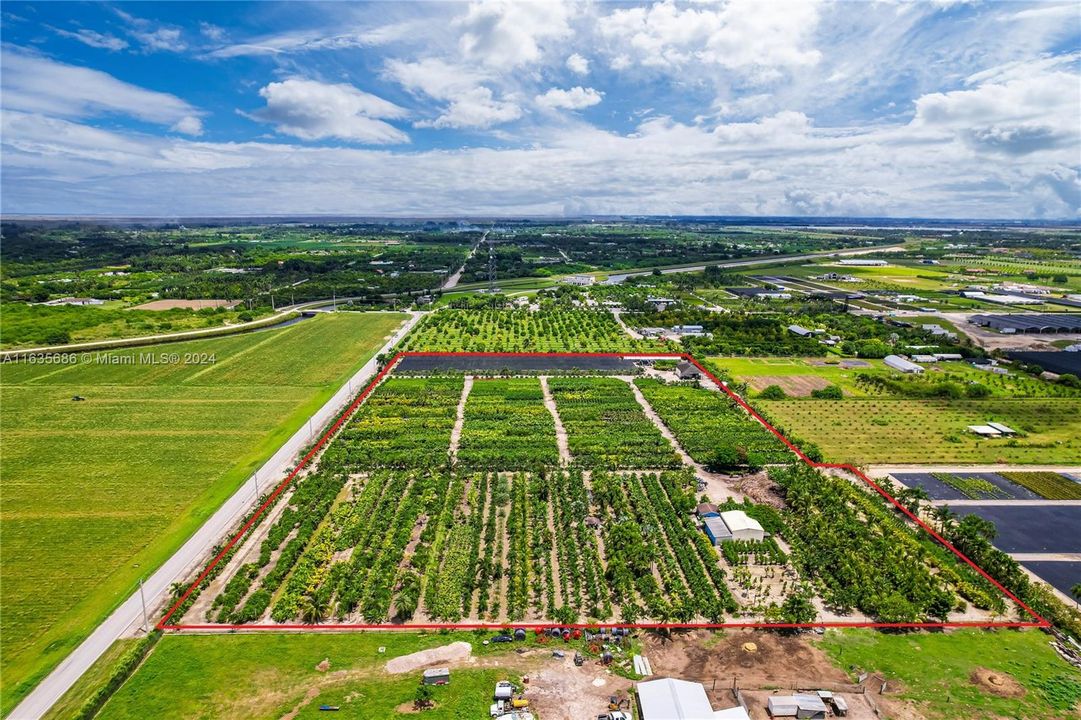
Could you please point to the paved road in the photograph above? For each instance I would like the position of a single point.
(615, 278)
(128, 618)
(452, 281)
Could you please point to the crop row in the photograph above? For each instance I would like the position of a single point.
(606, 427)
(711, 427)
(490, 330)
(405, 423)
(861, 556)
(507, 427)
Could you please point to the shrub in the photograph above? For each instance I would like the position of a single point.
(830, 392)
(773, 392)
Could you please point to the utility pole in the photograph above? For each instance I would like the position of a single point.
(146, 622)
(491, 265)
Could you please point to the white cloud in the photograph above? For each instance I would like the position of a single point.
(211, 31)
(578, 64)
(510, 33)
(760, 39)
(189, 125)
(313, 110)
(470, 104)
(160, 39)
(575, 98)
(475, 108)
(1014, 109)
(94, 38)
(36, 84)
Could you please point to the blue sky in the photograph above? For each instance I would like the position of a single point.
(931, 109)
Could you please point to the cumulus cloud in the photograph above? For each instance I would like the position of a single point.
(1015, 109)
(475, 108)
(94, 39)
(510, 33)
(312, 110)
(36, 84)
(469, 103)
(759, 39)
(578, 64)
(575, 98)
(212, 31)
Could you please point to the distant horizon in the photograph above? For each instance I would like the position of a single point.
(519, 217)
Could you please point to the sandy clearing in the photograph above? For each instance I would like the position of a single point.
(443, 654)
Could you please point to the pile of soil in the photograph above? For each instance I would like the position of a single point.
(424, 658)
(996, 683)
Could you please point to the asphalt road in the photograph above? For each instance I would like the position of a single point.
(128, 618)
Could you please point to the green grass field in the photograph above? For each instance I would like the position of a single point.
(267, 676)
(98, 493)
(883, 430)
(935, 671)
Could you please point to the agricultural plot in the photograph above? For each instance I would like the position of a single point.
(606, 427)
(400, 547)
(507, 427)
(965, 486)
(454, 330)
(407, 423)
(127, 474)
(711, 427)
(863, 557)
(857, 430)
(1031, 528)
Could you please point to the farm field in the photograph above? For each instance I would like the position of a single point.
(1005, 485)
(455, 330)
(711, 427)
(419, 546)
(127, 474)
(606, 426)
(268, 676)
(885, 430)
(940, 673)
(798, 376)
(507, 427)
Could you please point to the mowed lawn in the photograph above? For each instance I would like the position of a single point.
(267, 676)
(936, 671)
(97, 493)
(884, 430)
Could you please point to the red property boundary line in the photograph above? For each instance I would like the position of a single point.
(164, 624)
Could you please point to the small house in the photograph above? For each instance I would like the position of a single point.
(437, 676)
(705, 510)
(651, 331)
(687, 371)
(799, 330)
(579, 279)
(660, 304)
(925, 358)
(688, 330)
(949, 356)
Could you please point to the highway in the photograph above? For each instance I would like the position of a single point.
(128, 618)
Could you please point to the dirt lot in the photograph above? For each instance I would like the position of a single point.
(186, 304)
(793, 385)
(761, 664)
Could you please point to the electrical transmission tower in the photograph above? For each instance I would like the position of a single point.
(491, 264)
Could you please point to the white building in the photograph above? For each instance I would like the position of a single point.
(742, 526)
(580, 279)
(672, 699)
(899, 363)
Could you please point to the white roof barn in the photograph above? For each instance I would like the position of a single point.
(672, 699)
(742, 526)
(899, 363)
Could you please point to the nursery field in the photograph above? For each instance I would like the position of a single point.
(407, 546)
(454, 330)
(885, 430)
(507, 427)
(127, 474)
(606, 426)
(711, 427)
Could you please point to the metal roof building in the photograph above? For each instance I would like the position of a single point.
(1030, 323)
(742, 526)
(899, 363)
(672, 699)
(715, 529)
